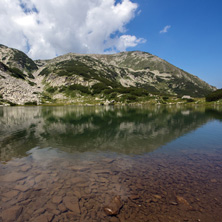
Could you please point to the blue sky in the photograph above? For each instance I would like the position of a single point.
(186, 33)
(194, 40)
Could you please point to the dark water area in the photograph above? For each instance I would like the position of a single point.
(111, 164)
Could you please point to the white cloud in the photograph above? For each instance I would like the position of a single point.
(165, 29)
(46, 28)
(126, 41)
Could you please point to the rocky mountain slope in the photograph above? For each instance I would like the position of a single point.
(76, 78)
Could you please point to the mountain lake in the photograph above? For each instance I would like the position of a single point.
(108, 163)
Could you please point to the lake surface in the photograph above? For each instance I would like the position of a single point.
(139, 163)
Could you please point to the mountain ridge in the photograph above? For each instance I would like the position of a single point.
(72, 78)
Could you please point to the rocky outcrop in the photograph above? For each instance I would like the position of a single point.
(17, 83)
(18, 91)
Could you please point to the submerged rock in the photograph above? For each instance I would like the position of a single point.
(12, 177)
(181, 200)
(72, 204)
(12, 214)
(11, 194)
(114, 206)
(57, 199)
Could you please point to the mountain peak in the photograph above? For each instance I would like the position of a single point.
(73, 76)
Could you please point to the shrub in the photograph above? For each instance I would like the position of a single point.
(45, 72)
(133, 91)
(62, 73)
(69, 68)
(51, 89)
(190, 100)
(123, 90)
(113, 95)
(139, 92)
(3, 67)
(24, 60)
(17, 73)
(165, 97)
(31, 76)
(108, 91)
(99, 87)
(46, 97)
(214, 96)
(34, 103)
(31, 83)
(129, 98)
(79, 87)
(12, 104)
(70, 90)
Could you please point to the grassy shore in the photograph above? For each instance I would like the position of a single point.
(101, 100)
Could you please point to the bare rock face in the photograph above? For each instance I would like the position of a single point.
(18, 91)
(114, 206)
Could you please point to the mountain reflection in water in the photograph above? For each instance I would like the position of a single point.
(126, 130)
(71, 163)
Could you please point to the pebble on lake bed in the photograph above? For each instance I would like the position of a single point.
(114, 206)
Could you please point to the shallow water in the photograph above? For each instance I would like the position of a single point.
(69, 163)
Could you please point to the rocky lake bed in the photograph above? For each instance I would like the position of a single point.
(150, 189)
(179, 181)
